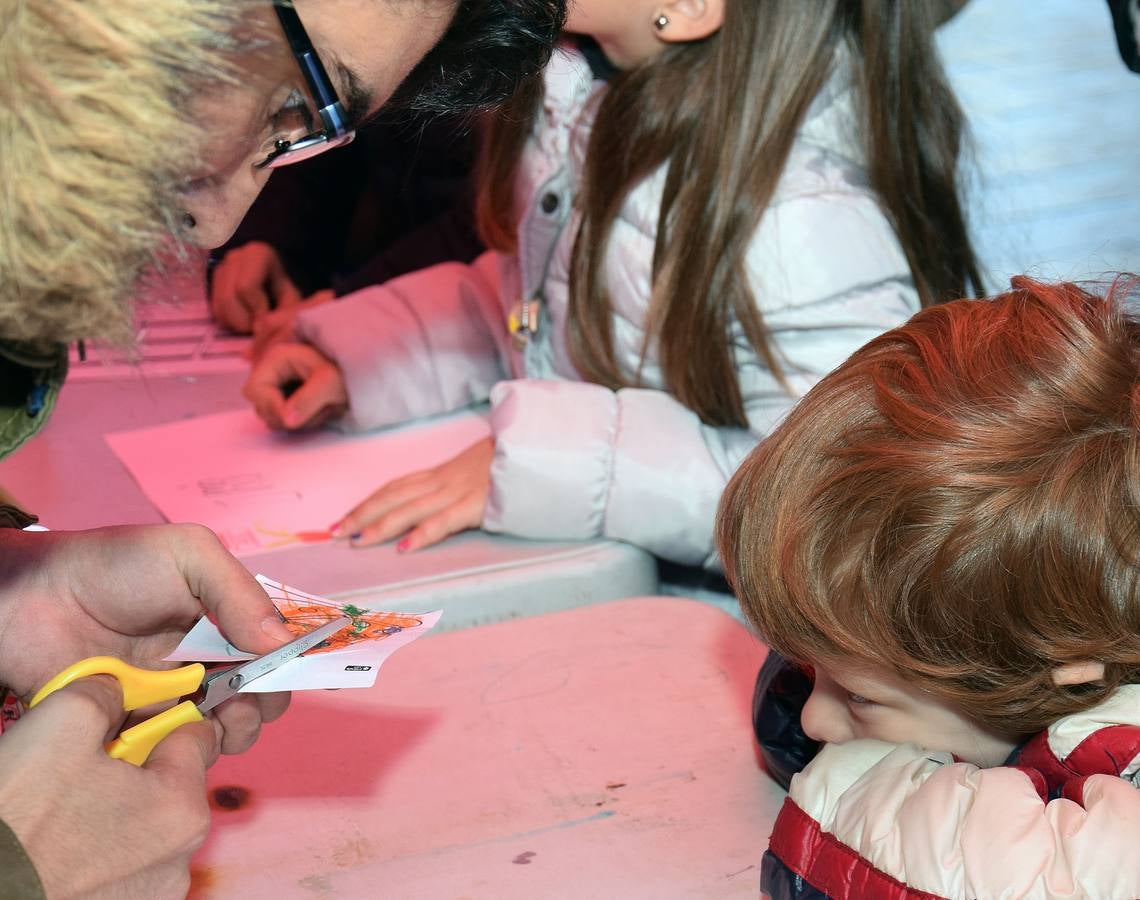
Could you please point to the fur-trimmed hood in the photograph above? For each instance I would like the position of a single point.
(93, 141)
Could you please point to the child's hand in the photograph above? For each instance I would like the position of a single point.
(248, 282)
(294, 386)
(433, 503)
(276, 326)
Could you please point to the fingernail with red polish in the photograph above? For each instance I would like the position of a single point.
(335, 530)
(404, 545)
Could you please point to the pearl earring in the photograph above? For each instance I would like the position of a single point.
(661, 21)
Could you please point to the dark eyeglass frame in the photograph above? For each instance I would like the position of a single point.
(336, 131)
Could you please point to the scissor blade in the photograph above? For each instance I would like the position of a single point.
(232, 682)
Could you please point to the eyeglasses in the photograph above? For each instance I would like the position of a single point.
(335, 131)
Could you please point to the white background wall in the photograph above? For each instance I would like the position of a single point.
(1056, 121)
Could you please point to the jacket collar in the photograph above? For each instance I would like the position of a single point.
(1103, 740)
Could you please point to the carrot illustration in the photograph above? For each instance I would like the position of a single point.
(302, 614)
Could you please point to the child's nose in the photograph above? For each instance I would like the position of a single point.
(824, 718)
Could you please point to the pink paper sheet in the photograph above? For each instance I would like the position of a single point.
(260, 490)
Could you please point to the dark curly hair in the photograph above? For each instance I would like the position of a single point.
(490, 48)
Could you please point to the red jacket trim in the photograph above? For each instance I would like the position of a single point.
(1036, 779)
(1107, 751)
(829, 865)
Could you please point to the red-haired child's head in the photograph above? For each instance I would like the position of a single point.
(959, 504)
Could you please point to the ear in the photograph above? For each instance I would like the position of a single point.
(690, 20)
(1078, 673)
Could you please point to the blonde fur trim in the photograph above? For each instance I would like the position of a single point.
(94, 139)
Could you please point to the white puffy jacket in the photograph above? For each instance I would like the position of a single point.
(868, 819)
(574, 460)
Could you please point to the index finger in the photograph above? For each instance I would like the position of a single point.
(91, 708)
(189, 748)
(228, 592)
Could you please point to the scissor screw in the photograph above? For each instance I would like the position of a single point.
(236, 681)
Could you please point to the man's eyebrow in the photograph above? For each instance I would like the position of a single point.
(357, 99)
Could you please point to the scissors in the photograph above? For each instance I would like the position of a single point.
(142, 687)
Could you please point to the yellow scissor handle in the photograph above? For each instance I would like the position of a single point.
(134, 744)
(141, 687)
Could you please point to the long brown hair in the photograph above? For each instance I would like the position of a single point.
(959, 502)
(723, 113)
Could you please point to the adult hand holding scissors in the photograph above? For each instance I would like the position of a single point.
(94, 826)
(130, 592)
(206, 690)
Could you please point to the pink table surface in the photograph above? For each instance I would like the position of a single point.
(604, 751)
